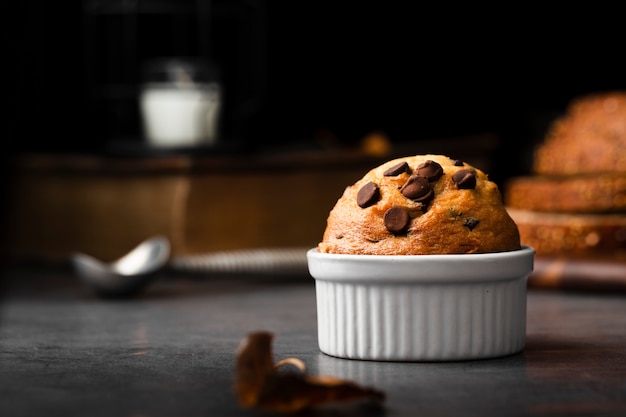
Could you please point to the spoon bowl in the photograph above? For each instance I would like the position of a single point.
(127, 275)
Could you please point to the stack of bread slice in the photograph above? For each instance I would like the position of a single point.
(574, 202)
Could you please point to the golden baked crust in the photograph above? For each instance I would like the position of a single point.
(550, 233)
(454, 219)
(583, 193)
(575, 202)
(590, 137)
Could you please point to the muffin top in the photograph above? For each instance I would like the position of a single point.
(589, 138)
(420, 205)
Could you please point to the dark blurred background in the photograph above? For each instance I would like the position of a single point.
(304, 72)
(295, 76)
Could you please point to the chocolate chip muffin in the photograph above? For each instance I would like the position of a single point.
(419, 205)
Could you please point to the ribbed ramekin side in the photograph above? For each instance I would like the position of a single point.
(421, 322)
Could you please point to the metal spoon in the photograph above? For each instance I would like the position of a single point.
(129, 274)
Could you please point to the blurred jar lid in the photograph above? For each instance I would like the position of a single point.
(179, 71)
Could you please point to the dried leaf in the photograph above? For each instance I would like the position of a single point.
(259, 384)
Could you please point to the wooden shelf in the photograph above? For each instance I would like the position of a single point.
(104, 206)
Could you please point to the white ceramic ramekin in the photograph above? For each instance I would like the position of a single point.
(423, 307)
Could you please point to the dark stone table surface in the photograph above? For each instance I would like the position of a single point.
(171, 352)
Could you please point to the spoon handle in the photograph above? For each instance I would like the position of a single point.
(267, 260)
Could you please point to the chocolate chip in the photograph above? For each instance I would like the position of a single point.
(430, 170)
(397, 220)
(397, 170)
(368, 195)
(417, 189)
(464, 179)
(458, 163)
(471, 223)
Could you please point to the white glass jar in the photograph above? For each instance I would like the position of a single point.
(180, 104)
